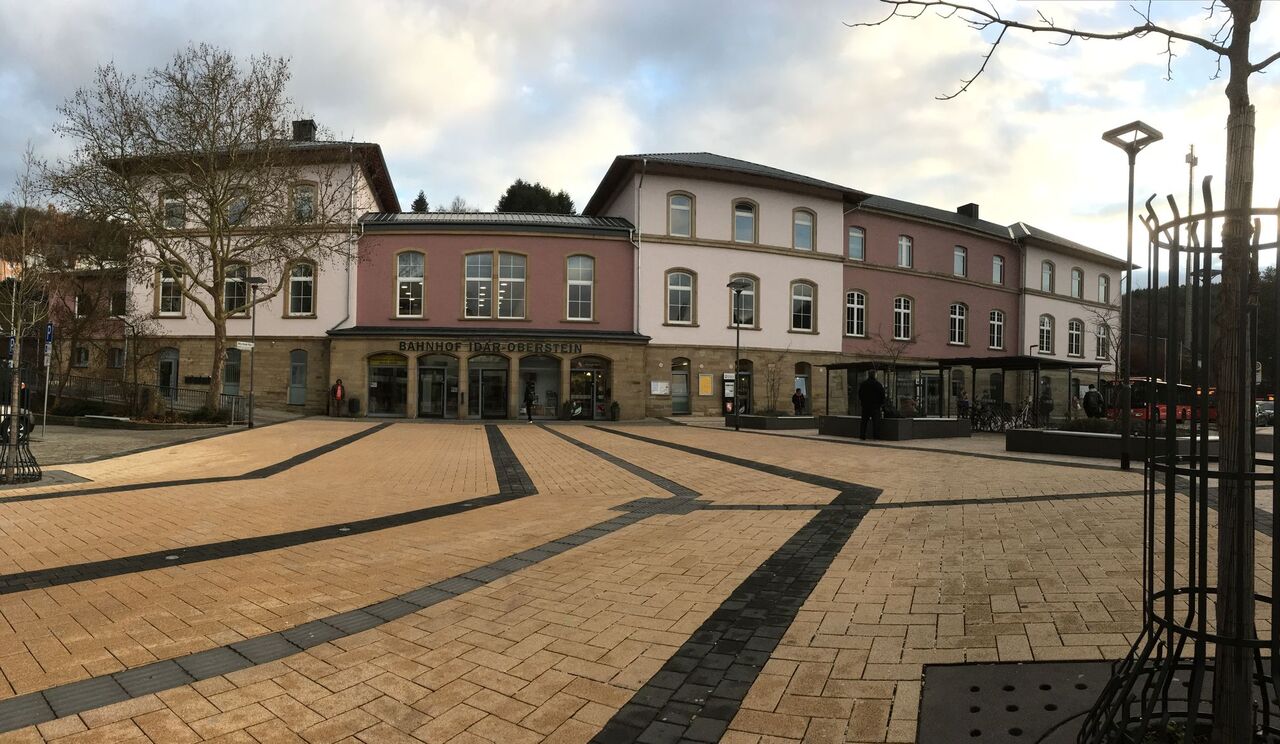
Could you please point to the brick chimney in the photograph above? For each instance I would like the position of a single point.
(304, 130)
(969, 210)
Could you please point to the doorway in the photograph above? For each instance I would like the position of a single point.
(488, 386)
(231, 373)
(540, 386)
(803, 374)
(590, 388)
(680, 387)
(298, 377)
(167, 372)
(388, 384)
(437, 386)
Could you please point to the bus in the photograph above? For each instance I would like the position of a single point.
(1146, 390)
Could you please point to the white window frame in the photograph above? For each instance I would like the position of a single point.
(511, 285)
(960, 260)
(173, 279)
(862, 243)
(905, 252)
(1051, 275)
(242, 281)
(295, 283)
(797, 224)
(902, 307)
(1077, 283)
(746, 299)
(1046, 333)
(1075, 338)
(811, 298)
(1104, 289)
(410, 281)
(1102, 342)
(755, 220)
(296, 203)
(997, 270)
(671, 212)
(958, 327)
(481, 282)
(995, 330)
(855, 314)
(589, 283)
(673, 288)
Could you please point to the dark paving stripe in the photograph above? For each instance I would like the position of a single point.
(795, 475)
(666, 484)
(76, 697)
(698, 691)
(995, 500)
(270, 470)
(513, 483)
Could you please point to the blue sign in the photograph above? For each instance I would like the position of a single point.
(12, 341)
(48, 333)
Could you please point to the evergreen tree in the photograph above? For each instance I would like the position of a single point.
(522, 196)
(420, 202)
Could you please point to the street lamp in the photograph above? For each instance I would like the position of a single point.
(254, 282)
(1132, 138)
(738, 286)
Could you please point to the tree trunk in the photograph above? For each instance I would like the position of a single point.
(1232, 689)
(219, 360)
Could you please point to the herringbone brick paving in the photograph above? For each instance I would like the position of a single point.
(552, 651)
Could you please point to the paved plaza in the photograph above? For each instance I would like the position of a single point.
(325, 581)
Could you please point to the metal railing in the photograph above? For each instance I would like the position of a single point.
(141, 398)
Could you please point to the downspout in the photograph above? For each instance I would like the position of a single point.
(637, 242)
(351, 229)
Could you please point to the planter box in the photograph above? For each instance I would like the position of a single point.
(756, 421)
(1083, 444)
(114, 422)
(897, 429)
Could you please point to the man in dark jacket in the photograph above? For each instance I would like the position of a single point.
(871, 396)
(1093, 406)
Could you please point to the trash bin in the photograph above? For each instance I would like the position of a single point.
(353, 406)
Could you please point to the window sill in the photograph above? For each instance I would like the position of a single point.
(680, 325)
(953, 343)
(742, 327)
(579, 320)
(905, 340)
(855, 335)
(168, 316)
(304, 316)
(801, 332)
(473, 320)
(995, 348)
(407, 317)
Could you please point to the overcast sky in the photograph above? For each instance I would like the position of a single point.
(464, 97)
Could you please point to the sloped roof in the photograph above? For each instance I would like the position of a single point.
(525, 221)
(708, 161)
(933, 214)
(1022, 231)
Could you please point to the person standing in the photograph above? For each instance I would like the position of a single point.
(530, 397)
(797, 402)
(337, 394)
(1093, 403)
(871, 396)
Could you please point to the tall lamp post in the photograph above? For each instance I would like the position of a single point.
(738, 286)
(1132, 138)
(254, 283)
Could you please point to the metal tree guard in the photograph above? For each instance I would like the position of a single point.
(1163, 690)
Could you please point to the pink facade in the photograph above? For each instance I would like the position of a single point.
(932, 286)
(545, 282)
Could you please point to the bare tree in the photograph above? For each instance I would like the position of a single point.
(1228, 26)
(23, 304)
(459, 204)
(774, 374)
(197, 162)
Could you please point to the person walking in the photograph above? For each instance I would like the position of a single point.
(1093, 407)
(797, 402)
(530, 397)
(871, 396)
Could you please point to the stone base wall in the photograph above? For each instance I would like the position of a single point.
(718, 361)
(271, 368)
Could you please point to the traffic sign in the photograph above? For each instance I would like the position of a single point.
(244, 345)
(48, 333)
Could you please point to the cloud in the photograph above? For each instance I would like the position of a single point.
(465, 97)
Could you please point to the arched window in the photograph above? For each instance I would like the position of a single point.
(802, 229)
(1077, 284)
(410, 272)
(802, 296)
(235, 291)
(680, 215)
(1046, 276)
(1075, 338)
(680, 297)
(959, 326)
(960, 261)
(855, 314)
(995, 335)
(857, 244)
(1104, 288)
(742, 304)
(744, 222)
(1102, 347)
(904, 251)
(1046, 334)
(902, 318)
(580, 278)
(302, 289)
(997, 269)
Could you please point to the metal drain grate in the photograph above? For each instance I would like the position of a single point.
(1031, 703)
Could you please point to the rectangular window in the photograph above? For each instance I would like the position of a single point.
(996, 337)
(304, 202)
(1102, 349)
(237, 208)
(235, 293)
(959, 325)
(302, 289)
(679, 297)
(855, 314)
(802, 231)
(857, 244)
(1046, 334)
(744, 222)
(80, 356)
(1077, 284)
(510, 285)
(997, 270)
(904, 251)
(170, 292)
(83, 305)
(1104, 289)
(411, 269)
(960, 261)
(581, 285)
(902, 319)
(680, 215)
(479, 301)
(744, 303)
(1075, 338)
(175, 212)
(115, 358)
(801, 307)
(119, 303)
(1046, 277)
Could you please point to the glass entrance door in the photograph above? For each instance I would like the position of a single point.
(433, 398)
(488, 393)
(680, 386)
